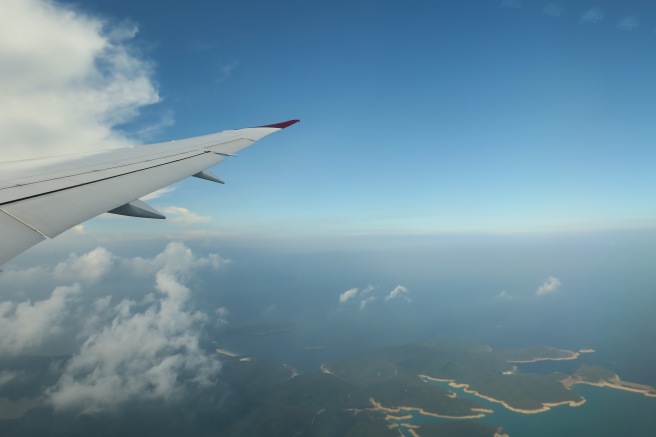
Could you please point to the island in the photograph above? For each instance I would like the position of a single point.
(422, 389)
(600, 377)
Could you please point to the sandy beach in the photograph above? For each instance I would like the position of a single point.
(413, 433)
(546, 406)
(377, 406)
(573, 355)
(615, 383)
(227, 352)
(406, 417)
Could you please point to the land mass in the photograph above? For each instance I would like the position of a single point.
(600, 377)
(377, 393)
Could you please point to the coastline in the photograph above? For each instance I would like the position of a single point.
(227, 352)
(573, 356)
(546, 406)
(379, 407)
(616, 383)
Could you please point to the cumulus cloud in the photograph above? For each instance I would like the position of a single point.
(366, 301)
(175, 253)
(367, 298)
(551, 285)
(131, 350)
(222, 313)
(593, 15)
(552, 10)
(27, 325)
(504, 295)
(183, 215)
(90, 267)
(68, 79)
(348, 294)
(141, 354)
(397, 292)
(628, 23)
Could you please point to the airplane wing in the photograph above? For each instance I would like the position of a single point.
(41, 198)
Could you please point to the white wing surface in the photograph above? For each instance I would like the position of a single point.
(41, 198)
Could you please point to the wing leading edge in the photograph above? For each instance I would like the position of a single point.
(41, 198)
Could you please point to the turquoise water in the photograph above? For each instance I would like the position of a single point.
(607, 412)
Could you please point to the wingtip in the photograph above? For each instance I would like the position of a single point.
(281, 125)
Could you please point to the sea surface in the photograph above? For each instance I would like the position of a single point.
(479, 292)
(606, 412)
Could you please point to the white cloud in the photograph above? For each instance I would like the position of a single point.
(27, 325)
(348, 294)
(398, 291)
(551, 285)
(367, 301)
(175, 254)
(504, 295)
(68, 79)
(90, 267)
(552, 9)
(223, 313)
(593, 15)
(183, 215)
(129, 350)
(628, 23)
(159, 193)
(142, 353)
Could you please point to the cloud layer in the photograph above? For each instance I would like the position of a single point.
(134, 349)
(67, 80)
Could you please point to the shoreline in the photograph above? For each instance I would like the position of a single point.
(379, 407)
(617, 384)
(573, 356)
(546, 406)
(227, 352)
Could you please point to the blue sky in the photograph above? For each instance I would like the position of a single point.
(418, 117)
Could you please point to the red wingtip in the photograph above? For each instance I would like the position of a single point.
(282, 125)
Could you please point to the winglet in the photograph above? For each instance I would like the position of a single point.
(282, 125)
